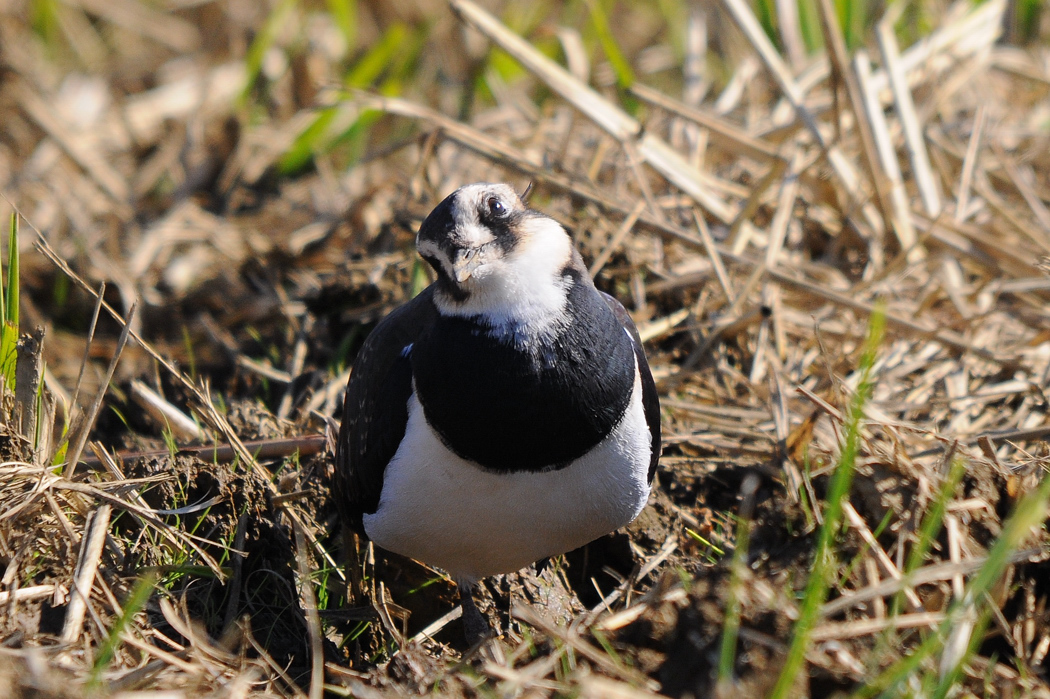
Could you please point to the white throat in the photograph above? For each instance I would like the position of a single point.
(523, 293)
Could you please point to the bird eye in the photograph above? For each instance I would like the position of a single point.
(496, 207)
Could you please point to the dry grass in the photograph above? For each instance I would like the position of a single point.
(242, 184)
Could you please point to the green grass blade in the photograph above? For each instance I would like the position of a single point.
(901, 670)
(852, 17)
(261, 44)
(766, 13)
(933, 520)
(43, 17)
(865, 548)
(60, 453)
(379, 58)
(817, 585)
(951, 678)
(1030, 513)
(3, 303)
(391, 55)
(356, 136)
(308, 142)
(1026, 20)
(9, 305)
(620, 66)
(344, 14)
(809, 25)
(420, 278)
(931, 524)
(140, 595)
(731, 626)
(11, 289)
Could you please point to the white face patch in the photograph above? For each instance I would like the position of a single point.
(522, 291)
(498, 261)
(470, 231)
(467, 234)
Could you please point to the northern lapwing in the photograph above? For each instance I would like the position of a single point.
(505, 414)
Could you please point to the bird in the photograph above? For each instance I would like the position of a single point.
(505, 414)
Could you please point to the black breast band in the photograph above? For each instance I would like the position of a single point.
(512, 406)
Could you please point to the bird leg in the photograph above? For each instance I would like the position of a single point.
(355, 589)
(475, 627)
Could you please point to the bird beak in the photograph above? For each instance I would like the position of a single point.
(466, 263)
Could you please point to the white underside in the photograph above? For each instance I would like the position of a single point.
(448, 512)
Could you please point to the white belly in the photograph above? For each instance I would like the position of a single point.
(448, 512)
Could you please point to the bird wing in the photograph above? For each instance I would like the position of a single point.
(375, 409)
(650, 398)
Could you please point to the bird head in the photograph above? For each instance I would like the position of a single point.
(493, 255)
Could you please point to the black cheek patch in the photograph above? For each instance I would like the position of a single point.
(445, 282)
(437, 227)
(502, 227)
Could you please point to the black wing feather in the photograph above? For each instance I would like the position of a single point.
(375, 409)
(650, 398)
